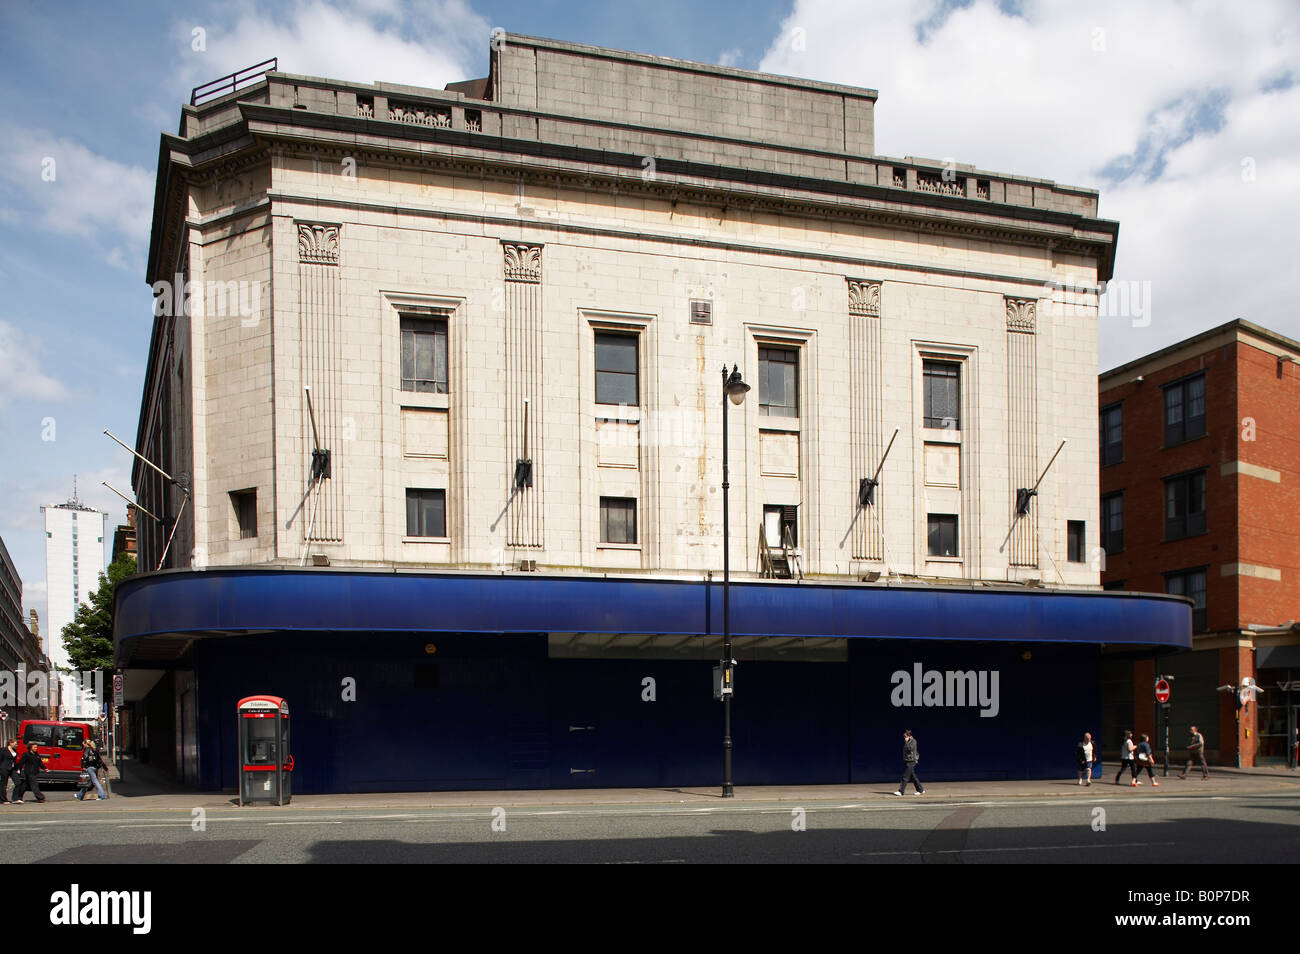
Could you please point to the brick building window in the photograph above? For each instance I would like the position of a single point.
(616, 370)
(1184, 505)
(942, 533)
(426, 513)
(942, 381)
(1075, 542)
(1190, 583)
(618, 520)
(1112, 435)
(1112, 523)
(1185, 410)
(424, 354)
(778, 382)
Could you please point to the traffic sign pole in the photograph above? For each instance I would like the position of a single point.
(1163, 695)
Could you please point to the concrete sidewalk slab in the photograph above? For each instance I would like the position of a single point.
(134, 795)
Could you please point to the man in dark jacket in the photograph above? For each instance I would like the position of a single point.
(911, 757)
(8, 758)
(30, 768)
(1196, 752)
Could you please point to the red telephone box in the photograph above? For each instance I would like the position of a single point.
(265, 765)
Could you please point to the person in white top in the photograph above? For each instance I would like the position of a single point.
(1126, 751)
(1084, 756)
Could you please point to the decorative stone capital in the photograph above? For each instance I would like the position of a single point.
(318, 244)
(864, 298)
(1021, 314)
(523, 262)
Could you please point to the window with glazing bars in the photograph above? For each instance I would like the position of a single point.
(1184, 505)
(424, 354)
(942, 394)
(616, 369)
(1185, 410)
(778, 382)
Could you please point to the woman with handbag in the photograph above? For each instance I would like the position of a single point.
(91, 763)
(1145, 760)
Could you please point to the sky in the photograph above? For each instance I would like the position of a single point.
(1184, 115)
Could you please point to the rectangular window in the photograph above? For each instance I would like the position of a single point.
(426, 513)
(781, 525)
(942, 528)
(778, 382)
(942, 394)
(1185, 410)
(1114, 585)
(1190, 583)
(1185, 505)
(618, 520)
(1075, 544)
(424, 354)
(1112, 523)
(245, 505)
(616, 370)
(1112, 435)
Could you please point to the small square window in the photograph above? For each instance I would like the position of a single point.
(244, 503)
(618, 520)
(942, 533)
(426, 513)
(424, 354)
(616, 369)
(1075, 544)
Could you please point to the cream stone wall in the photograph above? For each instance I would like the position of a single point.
(410, 238)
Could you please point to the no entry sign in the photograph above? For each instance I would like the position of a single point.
(1162, 690)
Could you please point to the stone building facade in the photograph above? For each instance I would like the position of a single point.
(479, 331)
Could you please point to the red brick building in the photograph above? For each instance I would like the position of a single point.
(1200, 484)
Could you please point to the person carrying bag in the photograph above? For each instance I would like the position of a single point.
(91, 763)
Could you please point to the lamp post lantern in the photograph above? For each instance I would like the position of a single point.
(734, 390)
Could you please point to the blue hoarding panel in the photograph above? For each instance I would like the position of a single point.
(313, 601)
(379, 712)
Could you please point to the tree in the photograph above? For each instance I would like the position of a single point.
(89, 637)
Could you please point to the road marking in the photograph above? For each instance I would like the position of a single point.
(967, 851)
(274, 824)
(159, 825)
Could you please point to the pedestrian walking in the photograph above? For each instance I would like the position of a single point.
(30, 768)
(1195, 752)
(8, 759)
(1145, 760)
(1083, 758)
(1126, 750)
(911, 757)
(91, 763)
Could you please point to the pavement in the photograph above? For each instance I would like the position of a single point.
(136, 786)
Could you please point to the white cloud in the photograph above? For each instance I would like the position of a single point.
(1155, 104)
(729, 57)
(21, 377)
(429, 44)
(63, 187)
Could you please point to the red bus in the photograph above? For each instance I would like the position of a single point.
(59, 745)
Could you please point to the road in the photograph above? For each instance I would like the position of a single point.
(1138, 827)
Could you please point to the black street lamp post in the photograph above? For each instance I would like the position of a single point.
(734, 390)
